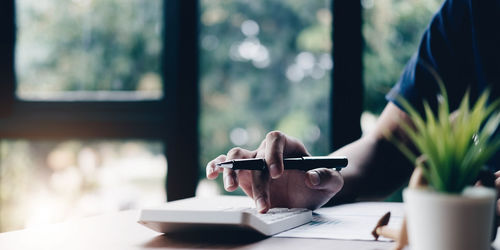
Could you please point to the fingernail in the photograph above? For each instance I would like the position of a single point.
(210, 171)
(229, 182)
(273, 171)
(314, 178)
(261, 204)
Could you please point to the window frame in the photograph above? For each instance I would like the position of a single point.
(171, 119)
(175, 118)
(346, 98)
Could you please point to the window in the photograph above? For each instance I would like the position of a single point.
(88, 50)
(264, 65)
(46, 181)
(100, 72)
(392, 31)
(52, 101)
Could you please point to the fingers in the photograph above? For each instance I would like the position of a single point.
(275, 143)
(212, 171)
(260, 190)
(498, 208)
(230, 177)
(245, 181)
(497, 184)
(497, 187)
(497, 180)
(230, 180)
(324, 179)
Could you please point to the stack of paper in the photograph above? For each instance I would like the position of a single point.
(348, 222)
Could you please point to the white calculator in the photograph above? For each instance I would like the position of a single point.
(221, 211)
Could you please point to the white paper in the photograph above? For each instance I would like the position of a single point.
(348, 222)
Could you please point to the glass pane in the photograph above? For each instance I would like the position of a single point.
(265, 65)
(392, 30)
(88, 49)
(51, 181)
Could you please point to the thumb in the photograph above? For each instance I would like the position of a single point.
(326, 179)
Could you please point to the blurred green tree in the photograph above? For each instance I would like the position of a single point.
(392, 30)
(265, 65)
(88, 45)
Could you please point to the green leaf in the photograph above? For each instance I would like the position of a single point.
(457, 149)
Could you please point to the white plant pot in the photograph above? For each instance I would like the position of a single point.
(437, 221)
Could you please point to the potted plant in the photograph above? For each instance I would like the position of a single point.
(451, 212)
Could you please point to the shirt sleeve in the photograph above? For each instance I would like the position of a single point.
(443, 48)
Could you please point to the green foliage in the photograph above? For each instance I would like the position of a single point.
(111, 45)
(455, 145)
(235, 93)
(254, 95)
(88, 45)
(392, 30)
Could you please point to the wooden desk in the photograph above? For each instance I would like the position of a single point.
(120, 231)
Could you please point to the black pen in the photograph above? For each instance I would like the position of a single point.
(300, 163)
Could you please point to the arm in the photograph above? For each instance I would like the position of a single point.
(378, 167)
(375, 167)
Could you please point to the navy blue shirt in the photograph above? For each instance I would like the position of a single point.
(462, 44)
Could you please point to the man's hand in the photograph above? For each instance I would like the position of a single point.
(497, 186)
(275, 187)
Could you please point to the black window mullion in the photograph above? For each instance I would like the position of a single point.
(7, 45)
(347, 85)
(180, 71)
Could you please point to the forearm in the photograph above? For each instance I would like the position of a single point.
(353, 174)
(376, 169)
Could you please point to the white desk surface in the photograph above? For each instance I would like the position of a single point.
(120, 230)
